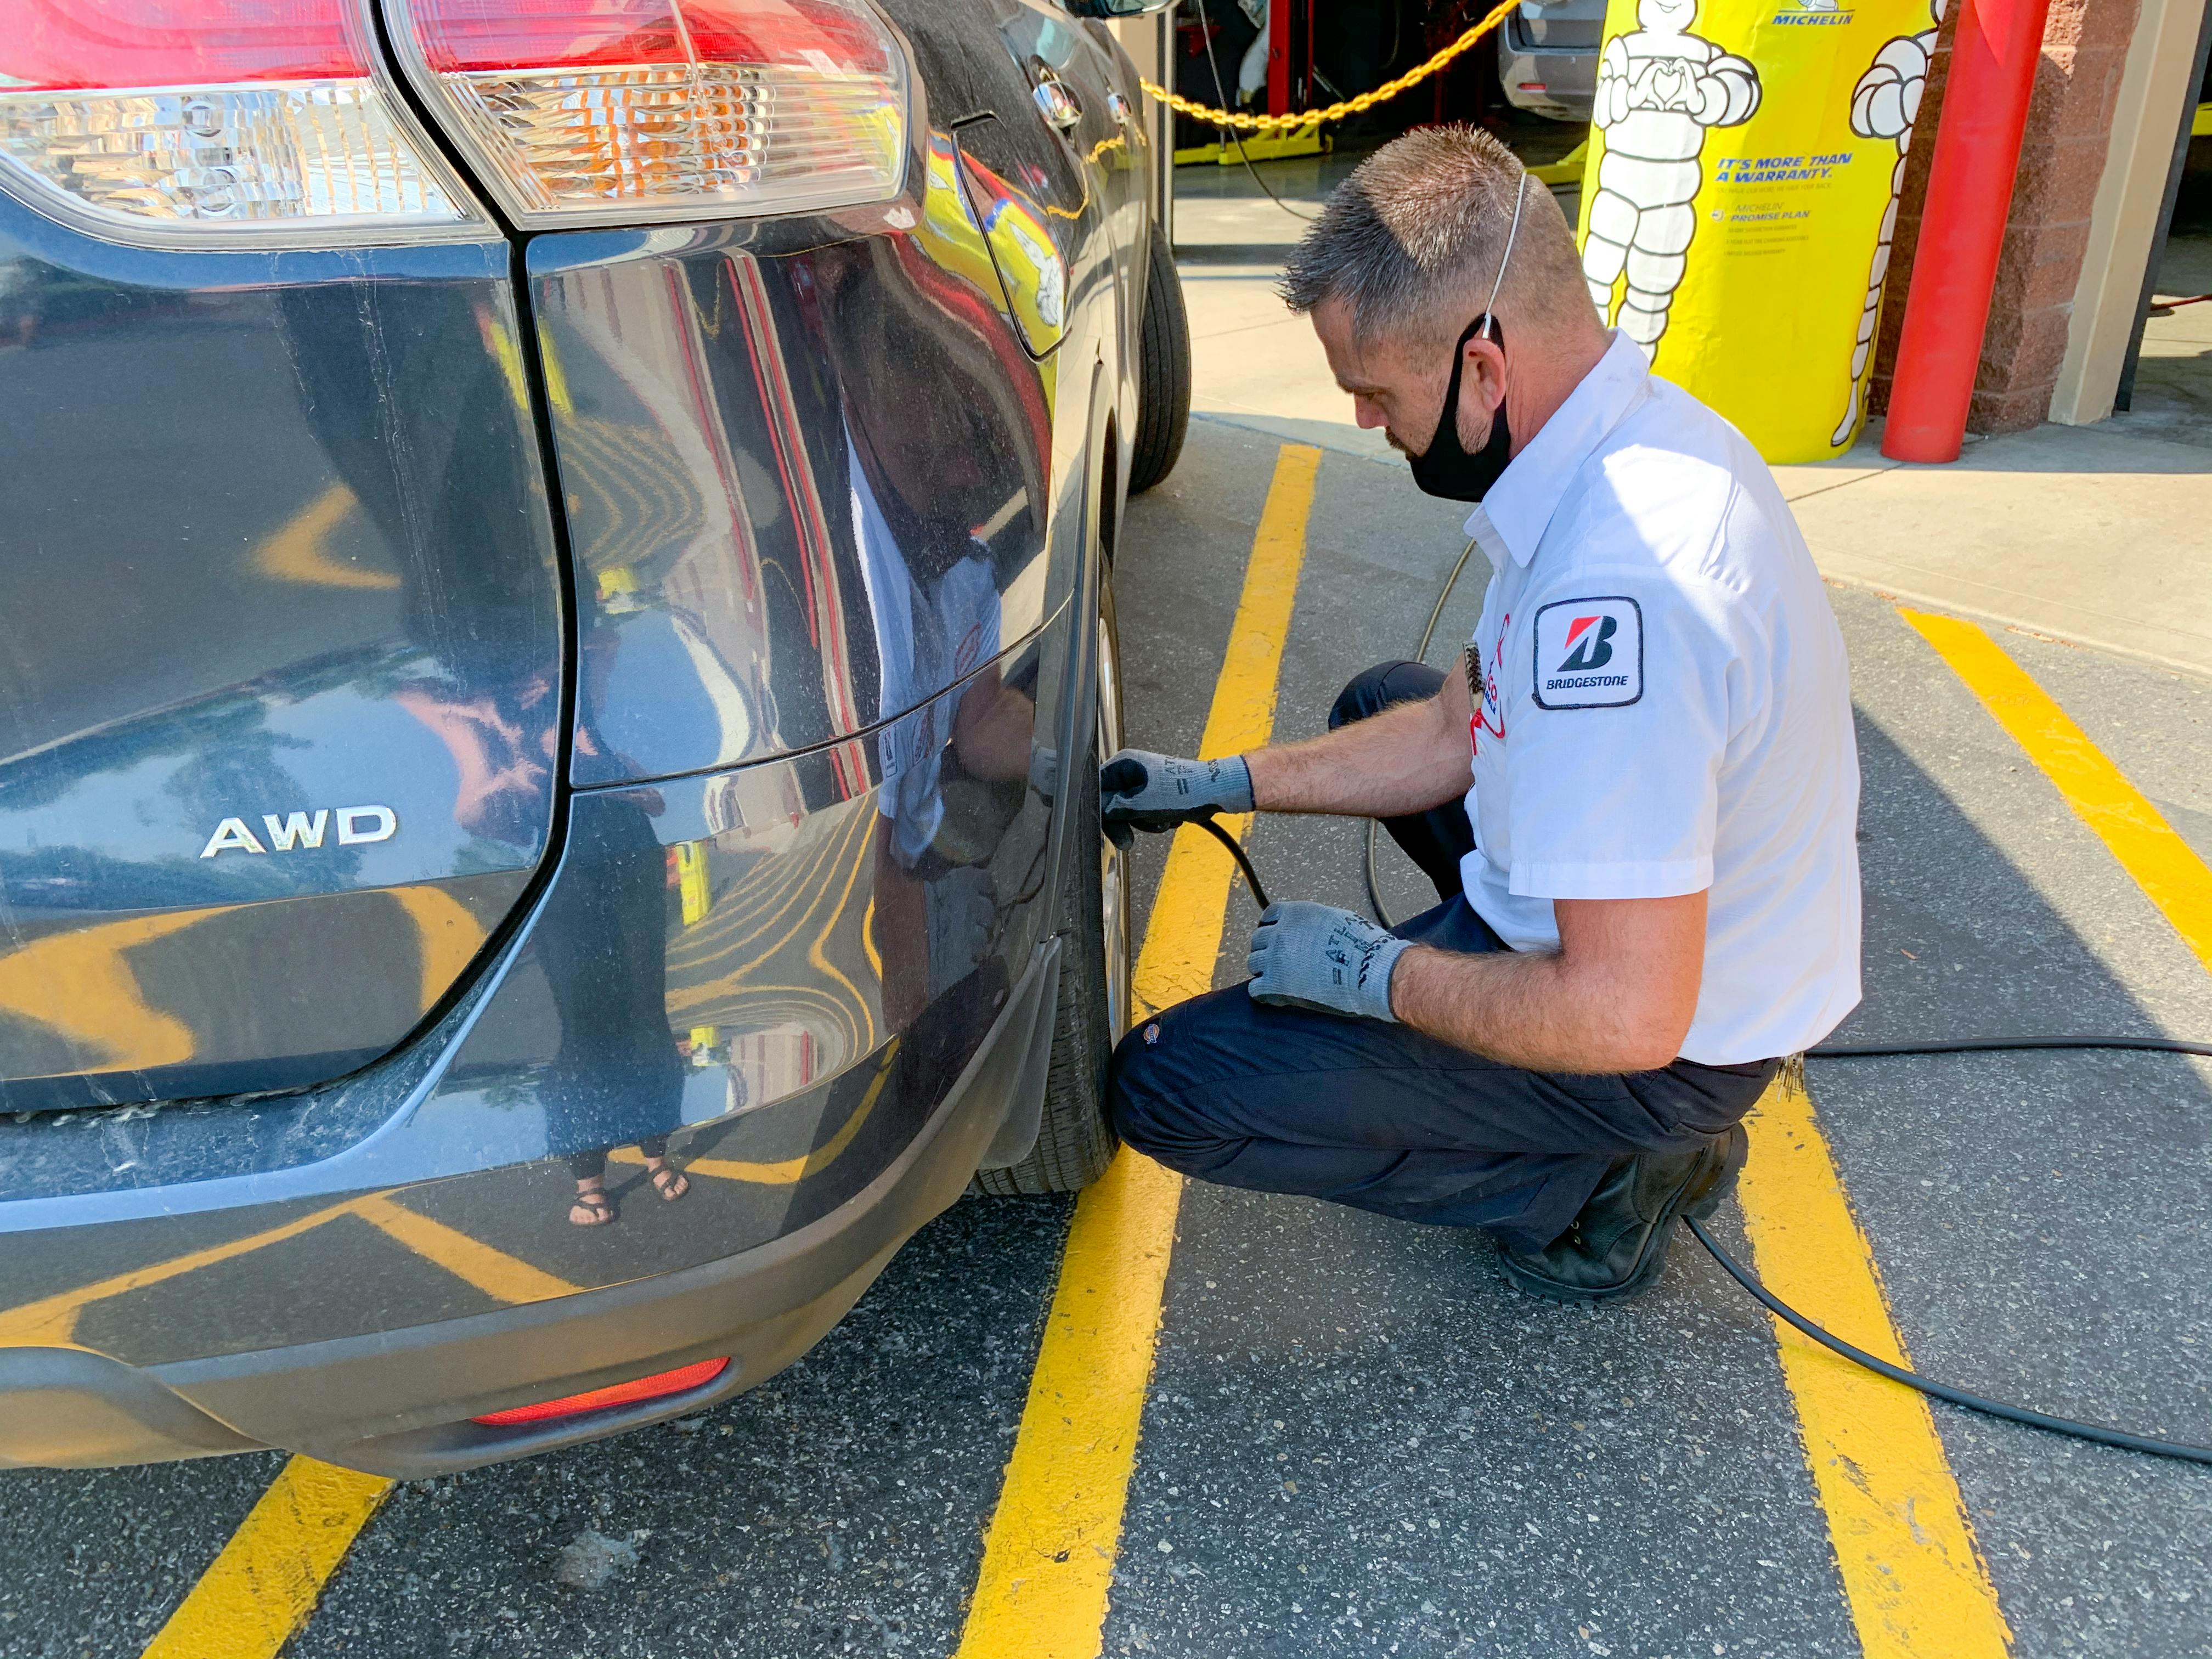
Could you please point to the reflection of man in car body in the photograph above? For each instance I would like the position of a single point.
(602, 950)
(918, 510)
(618, 1079)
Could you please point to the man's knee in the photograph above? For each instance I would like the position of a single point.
(1126, 1104)
(1140, 1103)
(1156, 1103)
(1386, 685)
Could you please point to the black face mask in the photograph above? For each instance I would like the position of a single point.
(1445, 467)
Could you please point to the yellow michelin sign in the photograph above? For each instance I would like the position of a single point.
(1739, 195)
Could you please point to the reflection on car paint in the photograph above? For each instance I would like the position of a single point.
(173, 883)
(948, 229)
(741, 961)
(110, 999)
(1031, 271)
(194, 659)
(826, 533)
(708, 406)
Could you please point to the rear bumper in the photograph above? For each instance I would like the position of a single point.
(1558, 81)
(398, 1402)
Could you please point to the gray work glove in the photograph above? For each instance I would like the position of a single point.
(1317, 957)
(1140, 790)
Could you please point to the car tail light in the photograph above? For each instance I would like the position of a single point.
(237, 123)
(680, 1381)
(628, 111)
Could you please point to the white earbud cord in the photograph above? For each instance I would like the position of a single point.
(1488, 316)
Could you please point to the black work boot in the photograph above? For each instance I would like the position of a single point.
(1616, 1244)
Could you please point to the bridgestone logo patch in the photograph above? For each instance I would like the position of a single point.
(1589, 653)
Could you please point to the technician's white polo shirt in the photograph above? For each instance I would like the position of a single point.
(1665, 707)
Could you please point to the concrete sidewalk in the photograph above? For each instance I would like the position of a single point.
(2101, 535)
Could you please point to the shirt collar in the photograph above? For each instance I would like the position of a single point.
(1514, 514)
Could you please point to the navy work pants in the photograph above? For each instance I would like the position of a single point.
(1382, 1117)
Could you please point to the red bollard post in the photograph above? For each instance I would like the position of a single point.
(1993, 60)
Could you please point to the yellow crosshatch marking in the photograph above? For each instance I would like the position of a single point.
(1049, 1555)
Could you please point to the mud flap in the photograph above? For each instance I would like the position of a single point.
(1025, 1102)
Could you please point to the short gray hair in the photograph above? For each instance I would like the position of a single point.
(1412, 239)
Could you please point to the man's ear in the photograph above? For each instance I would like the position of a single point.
(1485, 368)
(1481, 385)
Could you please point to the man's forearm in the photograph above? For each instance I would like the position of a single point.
(1524, 1008)
(1619, 994)
(1406, 759)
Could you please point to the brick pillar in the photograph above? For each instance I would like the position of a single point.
(2070, 121)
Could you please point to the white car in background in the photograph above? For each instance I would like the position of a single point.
(1547, 57)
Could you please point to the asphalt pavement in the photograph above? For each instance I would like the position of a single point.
(1357, 1439)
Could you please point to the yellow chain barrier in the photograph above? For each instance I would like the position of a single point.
(1365, 101)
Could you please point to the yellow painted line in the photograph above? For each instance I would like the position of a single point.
(1178, 958)
(1913, 1576)
(262, 1587)
(502, 1277)
(2163, 865)
(1049, 1555)
(264, 1584)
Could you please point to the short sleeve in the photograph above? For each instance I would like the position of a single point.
(1620, 720)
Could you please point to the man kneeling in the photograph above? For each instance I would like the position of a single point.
(1651, 891)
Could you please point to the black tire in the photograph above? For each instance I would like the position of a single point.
(1075, 1140)
(1163, 373)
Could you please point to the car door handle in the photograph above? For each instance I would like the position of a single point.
(1054, 101)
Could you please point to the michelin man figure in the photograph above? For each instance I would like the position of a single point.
(1658, 90)
(1884, 104)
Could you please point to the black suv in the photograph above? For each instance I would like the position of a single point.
(557, 640)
